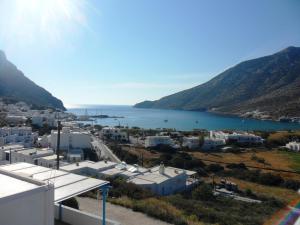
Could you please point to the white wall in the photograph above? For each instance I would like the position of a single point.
(28, 208)
(77, 217)
(71, 140)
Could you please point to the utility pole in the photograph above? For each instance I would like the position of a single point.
(58, 144)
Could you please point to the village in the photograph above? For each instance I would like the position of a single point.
(162, 161)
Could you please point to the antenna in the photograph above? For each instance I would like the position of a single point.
(58, 144)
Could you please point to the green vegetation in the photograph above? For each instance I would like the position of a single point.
(71, 202)
(123, 155)
(45, 129)
(89, 154)
(256, 176)
(156, 208)
(122, 188)
(295, 159)
(201, 206)
(180, 160)
(280, 138)
(221, 210)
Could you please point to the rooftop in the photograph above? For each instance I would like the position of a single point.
(51, 157)
(15, 184)
(89, 164)
(36, 151)
(12, 147)
(66, 184)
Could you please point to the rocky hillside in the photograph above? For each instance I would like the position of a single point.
(269, 84)
(14, 86)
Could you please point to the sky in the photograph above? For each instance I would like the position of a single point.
(122, 52)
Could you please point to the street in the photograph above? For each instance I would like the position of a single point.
(103, 151)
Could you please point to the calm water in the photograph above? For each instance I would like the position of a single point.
(180, 120)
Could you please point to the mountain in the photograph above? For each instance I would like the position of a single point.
(269, 84)
(14, 86)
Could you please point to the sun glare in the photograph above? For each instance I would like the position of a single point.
(50, 19)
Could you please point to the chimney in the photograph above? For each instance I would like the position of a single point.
(161, 168)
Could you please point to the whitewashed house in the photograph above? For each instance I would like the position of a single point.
(239, 137)
(113, 133)
(191, 142)
(25, 201)
(153, 141)
(70, 139)
(245, 138)
(163, 180)
(294, 146)
(8, 148)
(30, 155)
(212, 143)
(17, 135)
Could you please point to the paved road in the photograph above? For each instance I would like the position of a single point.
(103, 151)
(117, 213)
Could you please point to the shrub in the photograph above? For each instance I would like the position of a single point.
(240, 166)
(203, 192)
(71, 202)
(214, 168)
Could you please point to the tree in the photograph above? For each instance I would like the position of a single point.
(203, 192)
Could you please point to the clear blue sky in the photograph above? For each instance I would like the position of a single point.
(126, 51)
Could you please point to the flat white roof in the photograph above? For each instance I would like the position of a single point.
(11, 186)
(12, 147)
(35, 151)
(89, 164)
(51, 157)
(66, 184)
(140, 181)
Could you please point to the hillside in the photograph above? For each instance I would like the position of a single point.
(269, 84)
(14, 86)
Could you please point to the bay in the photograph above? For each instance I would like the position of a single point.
(177, 119)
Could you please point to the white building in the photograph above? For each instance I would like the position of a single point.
(32, 194)
(15, 120)
(70, 139)
(241, 137)
(25, 201)
(294, 146)
(88, 168)
(114, 134)
(163, 180)
(160, 179)
(245, 138)
(43, 142)
(14, 135)
(75, 155)
(191, 142)
(152, 141)
(212, 143)
(8, 148)
(50, 161)
(28, 155)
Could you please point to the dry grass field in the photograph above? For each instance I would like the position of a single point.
(275, 159)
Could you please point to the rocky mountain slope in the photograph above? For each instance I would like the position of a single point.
(269, 85)
(14, 86)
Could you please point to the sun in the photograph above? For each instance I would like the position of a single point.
(50, 19)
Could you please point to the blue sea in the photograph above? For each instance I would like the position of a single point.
(178, 119)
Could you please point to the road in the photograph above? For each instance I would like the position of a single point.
(103, 151)
(117, 213)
